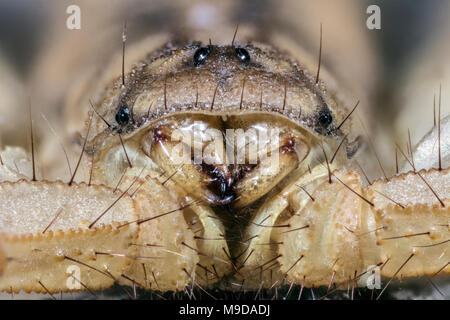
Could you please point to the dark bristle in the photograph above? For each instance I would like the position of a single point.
(434, 244)
(137, 189)
(390, 199)
(364, 173)
(261, 100)
(320, 56)
(439, 129)
(98, 114)
(440, 270)
(214, 96)
(285, 96)
(245, 260)
(84, 286)
(123, 255)
(193, 249)
(165, 93)
(198, 286)
(231, 261)
(196, 98)
(306, 191)
(132, 281)
(145, 273)
(434, 111)
(408, 151)
(297, 229)
(422, 178)
(208, 239)
(172, 174)
(247, 240)
(267, 262)
(91, 170)
(385, 263)
(148, 110)
(154, 278)
(328, 164)
(356, 193)
(408, 236)
(395, 274)
(215, 271)
(120, 180)
(348, 116)
(82, 150)
(46, 290)
(234, 35)
(125, 151)
(206, 271)
(340, 144)
(242, 94)
(58, 212)
(435, 286)
(404, 155)
(32, 144)
(90, 267)
(410, 148)
(272, 226)
(140, 221)
(124, 40)
(115, 201)
(432, 190)
(358, 276)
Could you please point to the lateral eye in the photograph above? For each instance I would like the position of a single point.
(242, 55)
(200, 55)
(123, 115)
(325, 118)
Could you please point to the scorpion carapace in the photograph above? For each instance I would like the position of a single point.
(232, 165)
(243, 126)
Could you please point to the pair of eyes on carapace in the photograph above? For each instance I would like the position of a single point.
(123, 115)
(201, 55)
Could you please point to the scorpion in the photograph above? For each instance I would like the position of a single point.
(224, 157)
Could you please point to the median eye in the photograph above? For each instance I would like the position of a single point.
(123, 115)
(242, 55)
(200, 55)
(325, 118)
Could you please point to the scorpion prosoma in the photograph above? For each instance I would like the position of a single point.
(131, 215)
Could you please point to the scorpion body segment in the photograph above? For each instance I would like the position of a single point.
(219, 164)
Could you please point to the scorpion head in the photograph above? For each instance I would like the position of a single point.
(226, 123)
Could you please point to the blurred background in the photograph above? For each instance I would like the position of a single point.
(406, 26)
(33, 29)
(28, 27)
(402, 64)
